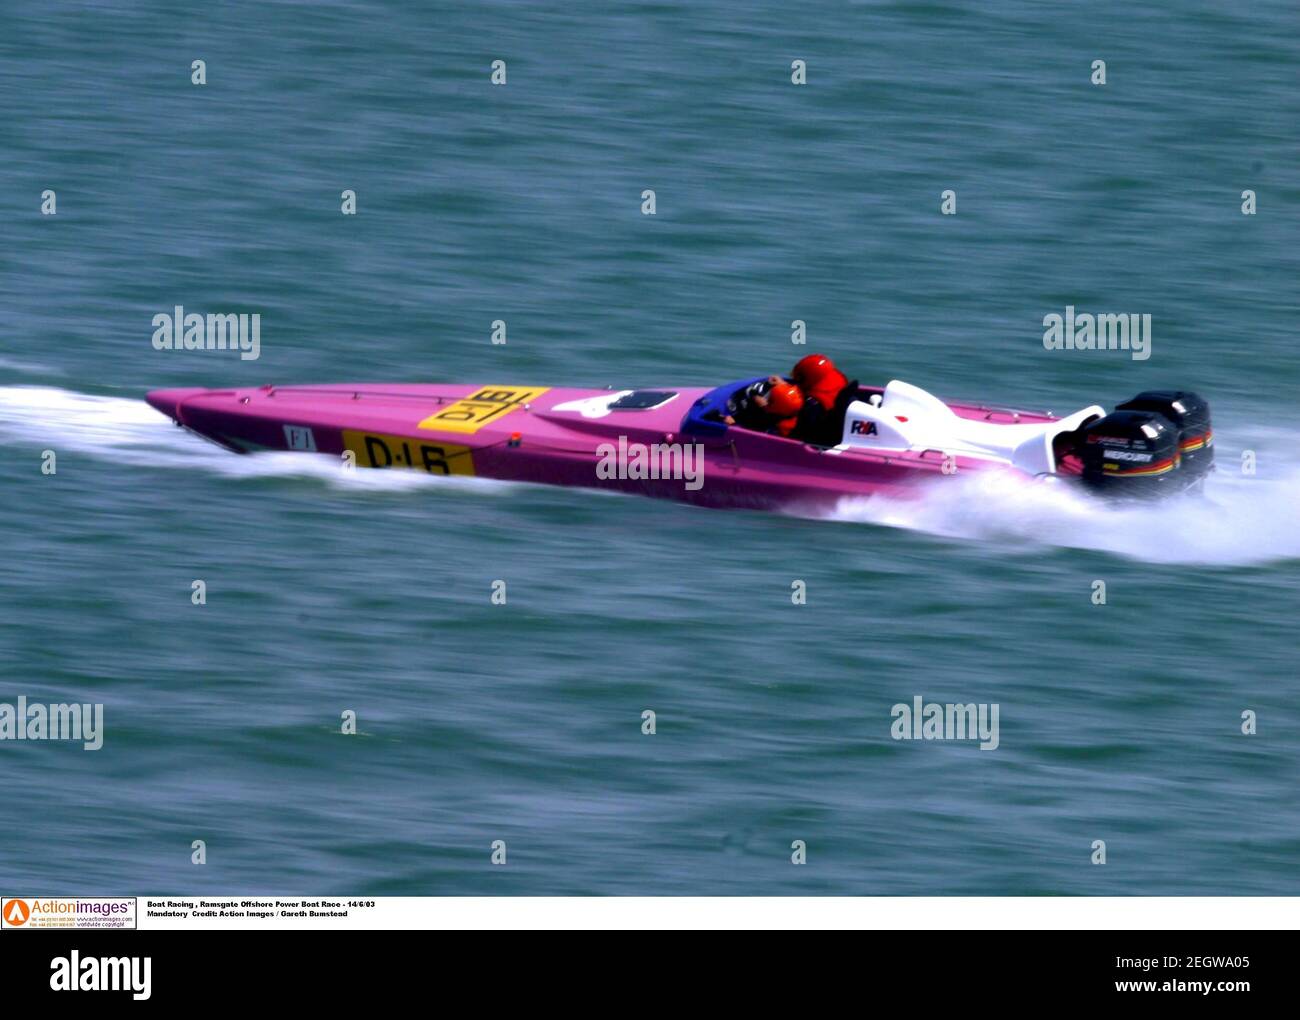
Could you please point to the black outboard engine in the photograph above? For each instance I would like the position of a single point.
(1191, 415)
(1131, 453)
(1157, 443)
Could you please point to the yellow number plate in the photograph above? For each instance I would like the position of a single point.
(380, 451)
(469, 414)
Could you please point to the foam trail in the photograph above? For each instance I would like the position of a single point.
(1241, 519)
(132, 433)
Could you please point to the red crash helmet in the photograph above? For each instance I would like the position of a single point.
(784, 400)
(818, 377)
(809, 371)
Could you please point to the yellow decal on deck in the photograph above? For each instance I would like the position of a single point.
(376, 450)
(469, 414)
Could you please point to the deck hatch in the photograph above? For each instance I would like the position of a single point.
(642, 400)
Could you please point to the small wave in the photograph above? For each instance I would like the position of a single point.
(28, 367)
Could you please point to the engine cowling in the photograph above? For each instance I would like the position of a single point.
(1191, 416)
(1131, 453)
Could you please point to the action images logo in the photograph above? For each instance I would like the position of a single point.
(61, 912)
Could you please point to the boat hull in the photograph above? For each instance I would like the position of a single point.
(554, 436)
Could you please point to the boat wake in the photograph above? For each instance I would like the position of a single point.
(1240, 520)
(133, 434)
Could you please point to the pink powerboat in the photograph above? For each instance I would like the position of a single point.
(682, 443)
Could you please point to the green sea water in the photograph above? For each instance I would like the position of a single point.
(370, 592)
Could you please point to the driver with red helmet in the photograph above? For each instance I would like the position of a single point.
(817, 376)
(804, 409)
(776, 410)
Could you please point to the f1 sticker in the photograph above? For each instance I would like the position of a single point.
(299, 437)
(380, 451)
(469, 414)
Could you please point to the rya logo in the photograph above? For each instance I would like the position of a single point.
(863, 428)
(102, 974)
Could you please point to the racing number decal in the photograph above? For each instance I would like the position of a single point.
(469, 414)
(380, 451)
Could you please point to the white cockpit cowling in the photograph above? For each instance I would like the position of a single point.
(909, 418)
